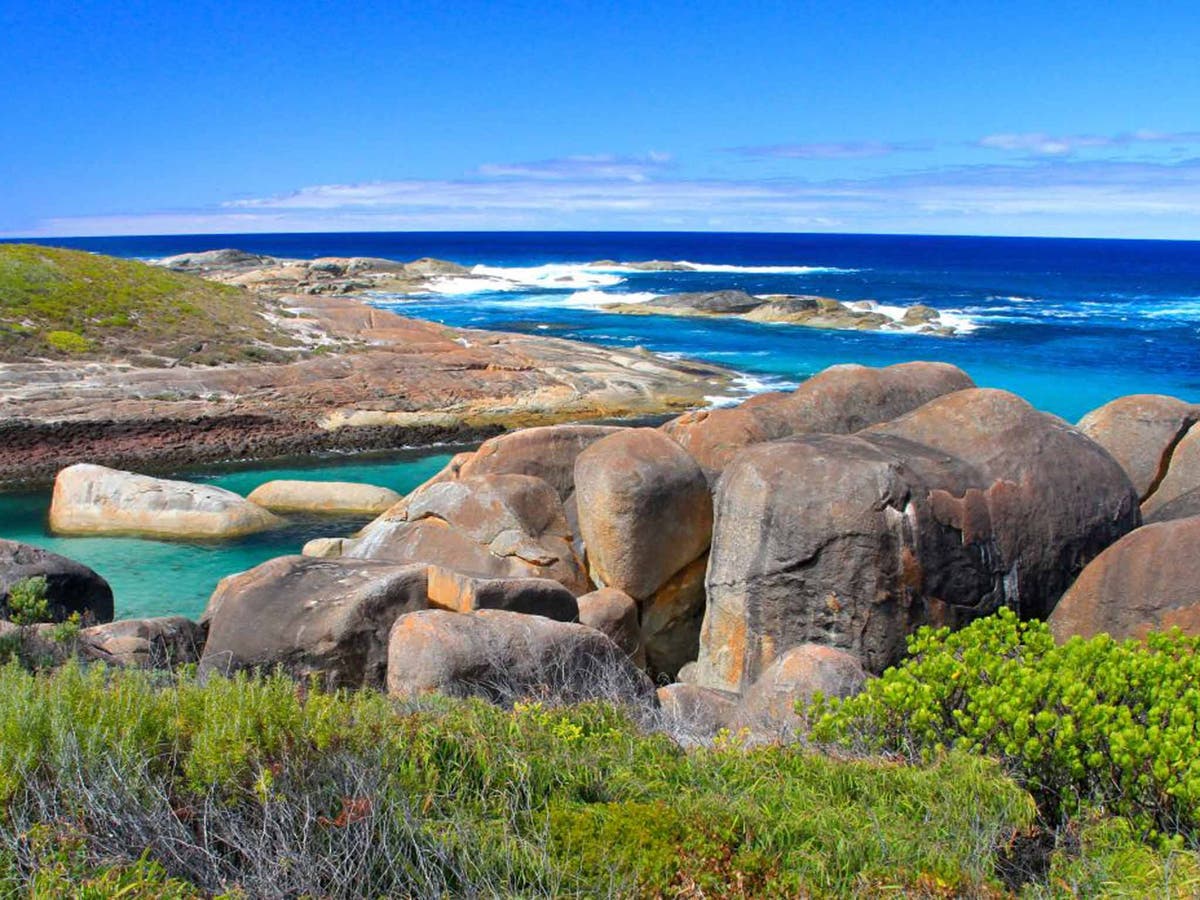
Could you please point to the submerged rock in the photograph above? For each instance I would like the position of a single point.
(91, 499)
(71, 587)
(324, 497)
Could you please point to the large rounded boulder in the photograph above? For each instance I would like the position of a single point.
(548, 452)
(325, 617)
(506, 656)
(1140, 432)
(645, 516)
(71, 587)
(1055, 498)
(769, 705)
(645, 510)
(487, 526)
(1144, 582)
(90, 499)
(834, 539)
(1181, 479)
(839, 400)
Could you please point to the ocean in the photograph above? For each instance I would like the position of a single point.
(1067, 324)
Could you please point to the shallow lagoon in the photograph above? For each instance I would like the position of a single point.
(154, 578)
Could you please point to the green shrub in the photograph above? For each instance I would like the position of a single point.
(27, 601)
(68, 341)
(1088, 722)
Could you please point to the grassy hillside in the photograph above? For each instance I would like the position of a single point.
(67, 304)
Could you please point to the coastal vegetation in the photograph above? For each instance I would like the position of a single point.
(67, 304)
(151, 784)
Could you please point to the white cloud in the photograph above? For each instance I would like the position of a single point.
(1053, 195)
(828, 150)
(1042, 144)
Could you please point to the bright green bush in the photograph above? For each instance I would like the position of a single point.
(1086, 723)
(27, 601)
(68, 341)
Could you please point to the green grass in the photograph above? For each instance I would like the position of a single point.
(136, 784)
(72, 305)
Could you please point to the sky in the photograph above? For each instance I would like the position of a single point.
(1054, 118)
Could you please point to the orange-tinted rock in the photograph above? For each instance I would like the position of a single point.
(1141, 431)
(488, 526)
(615, 614)
(645, 510)
(456, 592)
(769, 705)
(1144, 582)
(548, 453)
(1183, 474)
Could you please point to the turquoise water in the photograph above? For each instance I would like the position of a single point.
(154, 578)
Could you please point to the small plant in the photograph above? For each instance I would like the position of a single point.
(68, 341)
(27, 601)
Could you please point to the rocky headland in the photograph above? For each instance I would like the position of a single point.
(123, 364)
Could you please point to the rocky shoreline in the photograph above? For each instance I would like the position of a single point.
(361, 379)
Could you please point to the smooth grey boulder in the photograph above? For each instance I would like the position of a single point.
(162, 642)
(839, 400)
(71, 587)
(1055, 498)
(506, 656)
(323, 617)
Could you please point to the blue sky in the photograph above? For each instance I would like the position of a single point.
(1047, 118)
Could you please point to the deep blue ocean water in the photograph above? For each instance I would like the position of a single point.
(1068, 324)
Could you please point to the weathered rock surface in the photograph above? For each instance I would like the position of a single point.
(615, 614)
(769, 705)
(324, 547)
(322, 617)
(456, 592)
(831, 539)
(507, 656)
(156, 643)
(672, 618)
(969, 503)
(324, 497)
(1184, 506)
(71, 587)
(1144, 582)
(488, 526)
(91, 499)
(1182, 475)
(1141, 432)
(362, 378)
(839, 400)
(548, 453)
(644, 510)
